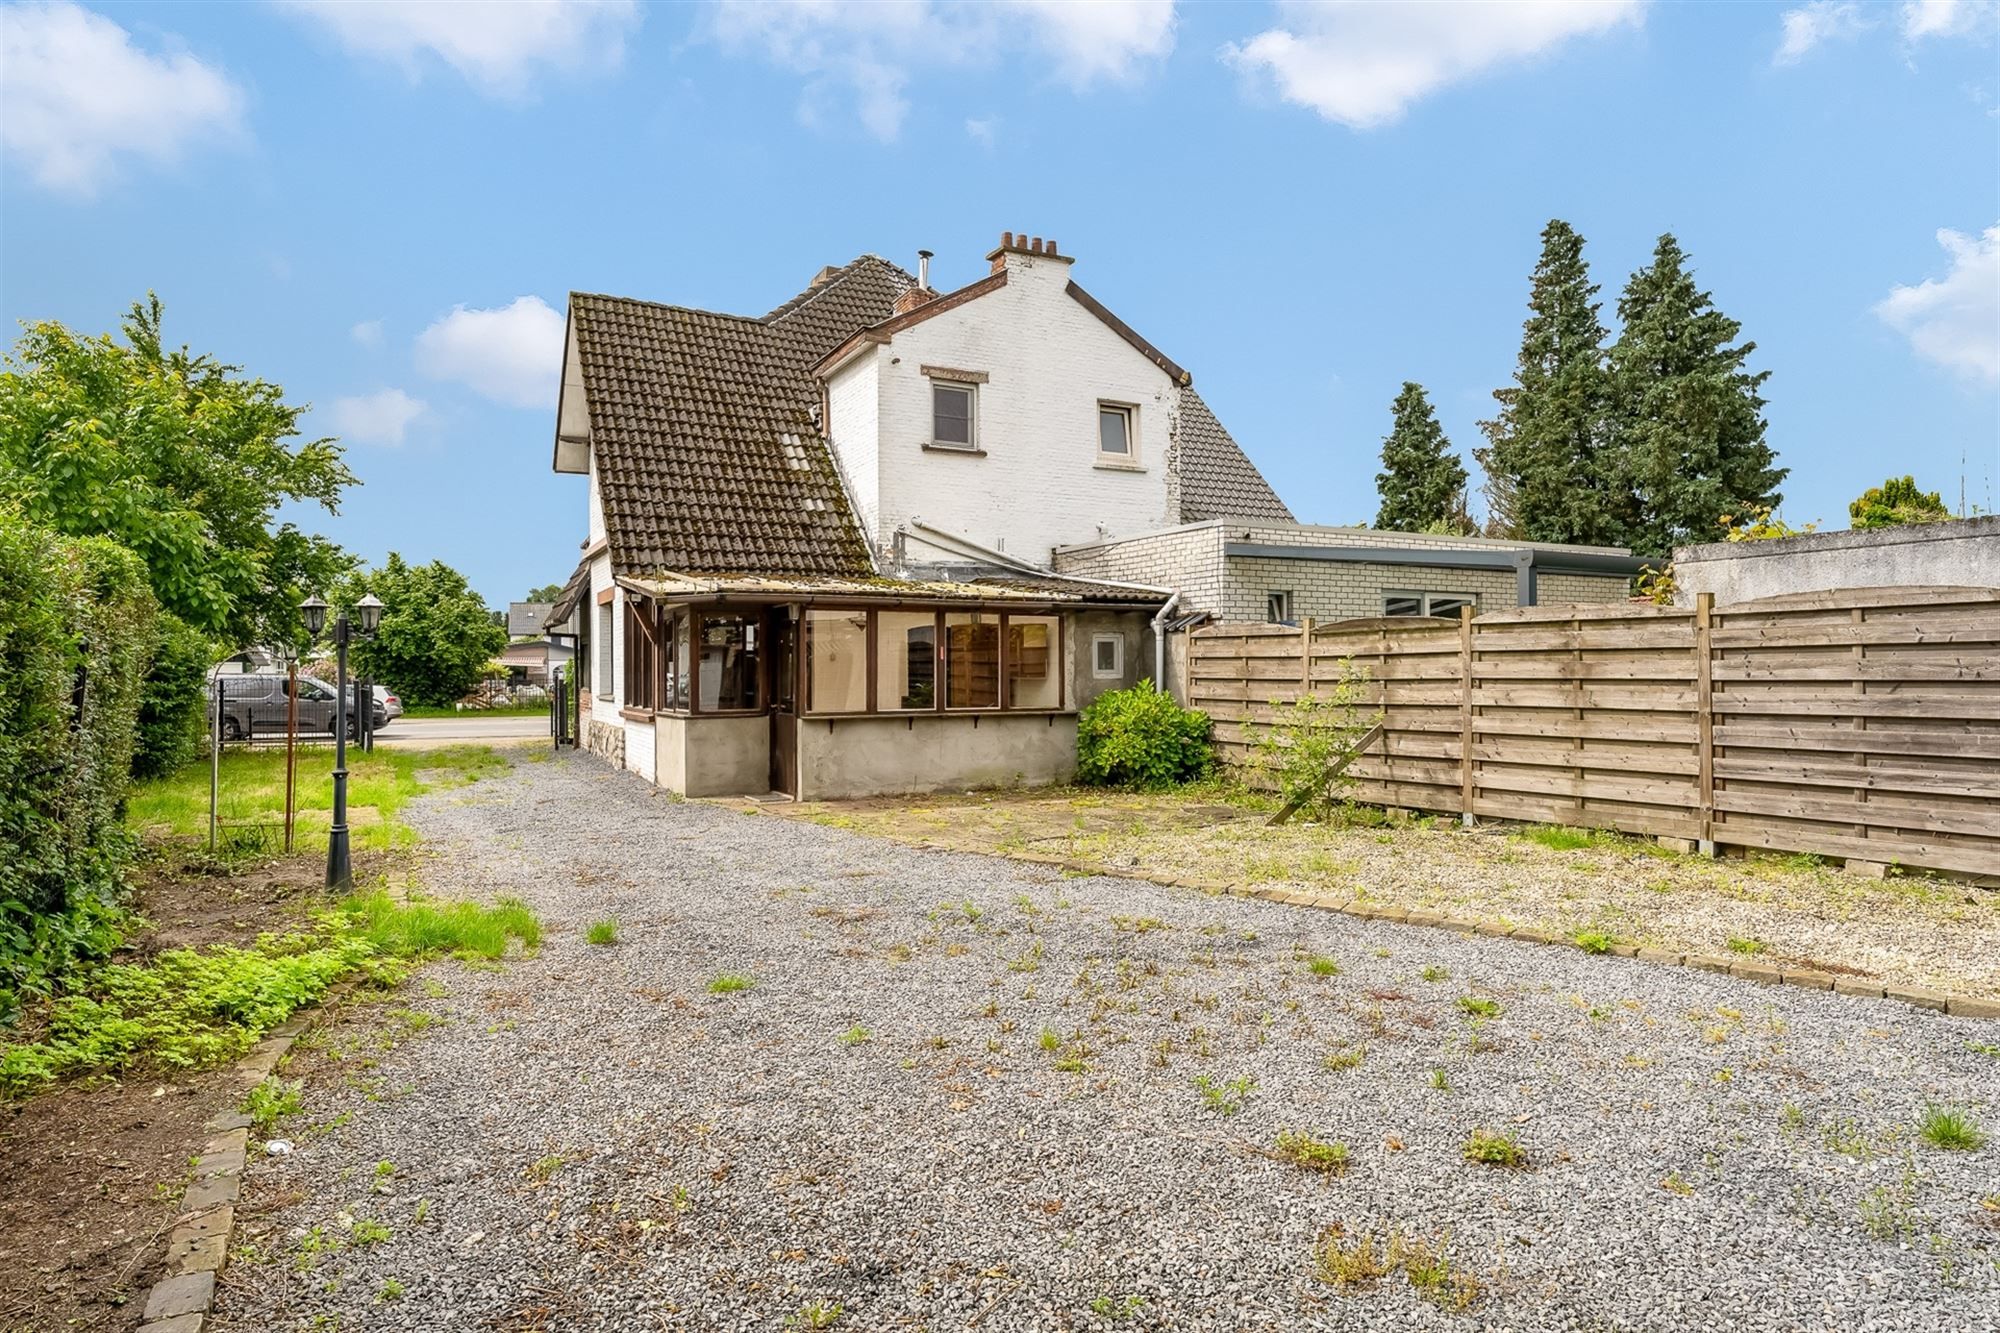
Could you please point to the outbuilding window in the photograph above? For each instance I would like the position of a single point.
(1445, 604)
(1278, 607)
(1115, 433)
(1107, 657)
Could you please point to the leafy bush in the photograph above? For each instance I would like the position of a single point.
(172, 716)
(77, 631)
(1141, 738)
(1302, 750)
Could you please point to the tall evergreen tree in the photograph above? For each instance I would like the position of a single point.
(1689, 422)
(1549, 459)
(1422, 483)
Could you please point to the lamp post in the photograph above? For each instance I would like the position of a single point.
(368, 612)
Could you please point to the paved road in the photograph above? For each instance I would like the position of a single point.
(956, 1091)
(431, 731)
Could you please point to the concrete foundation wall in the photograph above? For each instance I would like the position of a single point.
(874, 756)
(1962, 553)
(726, 756)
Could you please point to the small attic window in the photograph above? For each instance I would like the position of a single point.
(954, 423)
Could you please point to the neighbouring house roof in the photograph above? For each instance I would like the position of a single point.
(984, 588)
(573, 592)
(1218, 480)
(709, 457)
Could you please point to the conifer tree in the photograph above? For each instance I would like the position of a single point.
(1689, 423)
(1895, 502)
(1422, 483)
(1552, 472)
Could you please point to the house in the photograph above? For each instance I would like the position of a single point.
(1956, 553)
(843, 548)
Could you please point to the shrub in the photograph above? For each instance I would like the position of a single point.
(172, 718)
(1302, 750)
(1141, 738)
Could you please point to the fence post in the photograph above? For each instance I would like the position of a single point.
(1305, 656)
(1704, 698)
(1465, 716)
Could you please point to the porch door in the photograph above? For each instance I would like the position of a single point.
(784, 701)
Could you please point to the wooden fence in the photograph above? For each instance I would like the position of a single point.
(1862, 724)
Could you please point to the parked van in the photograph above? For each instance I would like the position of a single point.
(254, 703)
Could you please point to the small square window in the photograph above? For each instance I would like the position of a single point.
(952, 421)
(1114, 432)
(1402, 604)
(1107, 657)
(1448, 605)
(1278, 608)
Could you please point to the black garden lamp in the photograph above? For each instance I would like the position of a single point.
(368, 611)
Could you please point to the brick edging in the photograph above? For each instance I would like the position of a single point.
(198, 1244)
(1963, 1006)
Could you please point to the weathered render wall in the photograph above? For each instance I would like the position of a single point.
(1035, 482)
(1133, 630)
(1962, 553)
(874, 756)
(727, 756)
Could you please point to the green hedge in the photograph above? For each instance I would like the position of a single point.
(78, 630)
(1141, 738)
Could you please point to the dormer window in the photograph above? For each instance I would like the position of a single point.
(1115, 434)
(954, 421)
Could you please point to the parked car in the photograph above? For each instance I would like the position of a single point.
(255, 703)
(387, 705)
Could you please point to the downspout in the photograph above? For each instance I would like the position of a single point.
(1160, 641)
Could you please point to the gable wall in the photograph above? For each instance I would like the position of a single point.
(853, 418)
(1038, 484)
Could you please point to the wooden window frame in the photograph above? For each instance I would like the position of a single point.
(696, 630)
(940, 647)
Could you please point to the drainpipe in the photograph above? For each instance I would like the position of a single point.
(1160, 641)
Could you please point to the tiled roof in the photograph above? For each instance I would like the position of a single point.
(1218, 480)
(572, 593)
(708, 458)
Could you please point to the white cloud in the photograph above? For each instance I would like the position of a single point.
(1810, 26)
(1949, 18)
(512, 354)
(368, 333)
(1954, 320)
(983, 130)
(858, 52)
(497, 45)
(1364, 64)
(78, 96)
(376, 418)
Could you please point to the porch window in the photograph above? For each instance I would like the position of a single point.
(730, 668)
(1034, 666)
(836, 661)
(906, 652)
(679, 675)
(641, 654)
(972, 659)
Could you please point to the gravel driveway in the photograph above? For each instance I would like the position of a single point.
(963, 1092)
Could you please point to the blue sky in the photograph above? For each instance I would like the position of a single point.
(1306, 205)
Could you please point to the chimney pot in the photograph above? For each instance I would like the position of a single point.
(1036, 245)
(1006, 240)
(1052, 246)
(924, 269)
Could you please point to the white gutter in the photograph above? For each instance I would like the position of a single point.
(1160, 641)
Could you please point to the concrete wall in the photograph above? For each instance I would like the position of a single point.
(1964, 552)
(726, 756)
(670, 752)
(1037, 481)
(1134, 631)
(849, 757)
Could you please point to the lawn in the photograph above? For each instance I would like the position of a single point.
(252, 790)
(1792, 911)
(506, 710)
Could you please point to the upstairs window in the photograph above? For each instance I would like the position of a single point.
(953, 423)
(1114, 433)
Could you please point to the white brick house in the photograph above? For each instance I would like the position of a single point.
(885, 539)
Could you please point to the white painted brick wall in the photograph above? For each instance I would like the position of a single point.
(853, 418)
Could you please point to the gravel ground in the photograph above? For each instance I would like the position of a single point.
(592, 1139)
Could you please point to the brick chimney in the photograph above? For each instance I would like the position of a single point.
(920, 293)
(1028, 247)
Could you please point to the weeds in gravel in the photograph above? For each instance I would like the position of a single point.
(1117, 1307)
(1440, 1081)
(1991, 1048)
(271, 1101)
(729, 983)
(1558, 838)
(1224, 1098)
(1951, 1128)
(816, 1315)
(1436, 973)
(1365, 1260)
(1495, 1148)
(1674, 1183)
(1479, 1006)
(1889, 1211)
(1323, 967)
(392, 1290)
(1594, 941)
(1302, 1150)
(603, 932)
(542, 1168)
(1846, 1137)
(854, 1036)
(1745, 945)
(367, 1231)
(1346, 1058)
(1048, 1040)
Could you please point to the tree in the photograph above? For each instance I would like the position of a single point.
(1422, 483)
(176, 457)
(548, 592)
(1895, 502)
(1688, 419)
(435, 639)
(1552, 473)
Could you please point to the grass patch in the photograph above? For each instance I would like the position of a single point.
(1495, 1148)
(1336, 1061)
(1745, 945)
(447, 710)
(1323, 967)
(1949, 1127)
(1366, 1259)
(1303, 1150)
(190, 1008)
(252, 787)
(855, 1036)
(1479, 1006)
(603, 932)
(1560, 838)
(729, 983)
(1594, 941)
(1436, 973)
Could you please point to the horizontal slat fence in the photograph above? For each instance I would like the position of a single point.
(1862, 724)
